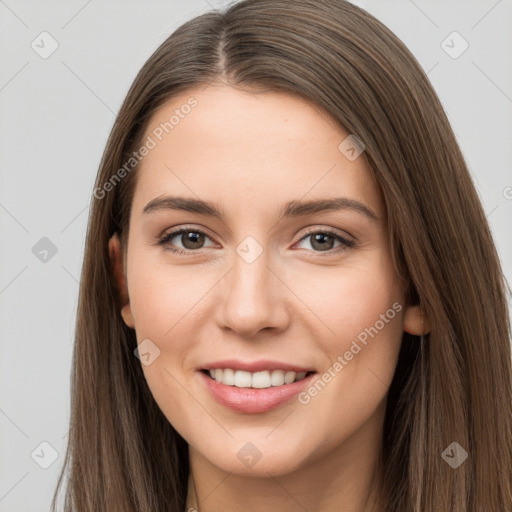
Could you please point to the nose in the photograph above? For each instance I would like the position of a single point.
(253, 298)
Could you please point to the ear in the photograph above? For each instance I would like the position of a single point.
(118, 274)
(415, 321)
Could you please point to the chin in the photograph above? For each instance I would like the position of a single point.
(248, 460)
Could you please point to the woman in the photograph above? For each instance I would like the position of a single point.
(290, 297)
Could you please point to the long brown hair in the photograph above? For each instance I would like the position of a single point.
(454, 385)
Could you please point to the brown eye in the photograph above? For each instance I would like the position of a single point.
(192, 239)
(322, 241)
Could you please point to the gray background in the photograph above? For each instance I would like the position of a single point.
(56, 114)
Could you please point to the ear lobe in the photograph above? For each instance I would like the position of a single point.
(126, 313)
(415, 321)
(116, 265)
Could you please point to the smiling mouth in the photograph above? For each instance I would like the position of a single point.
(256, 380)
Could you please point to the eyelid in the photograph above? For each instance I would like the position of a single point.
(184, 227)
(330, 230)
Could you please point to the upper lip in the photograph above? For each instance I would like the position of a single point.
(256, 366)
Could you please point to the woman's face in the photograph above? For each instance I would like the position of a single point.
(269, 281)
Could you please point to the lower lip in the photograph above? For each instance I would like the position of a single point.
(254, 400)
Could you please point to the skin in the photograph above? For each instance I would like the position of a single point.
(251, 153)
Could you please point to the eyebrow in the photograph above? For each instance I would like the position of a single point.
(293, 208)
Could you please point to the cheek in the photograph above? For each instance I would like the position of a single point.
(163, 298)
(351, 298)
(168, 303)
(164, 303)
(362, 306)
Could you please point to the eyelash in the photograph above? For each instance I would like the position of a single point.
(346, 243)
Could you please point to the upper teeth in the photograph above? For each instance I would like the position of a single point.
(263, 379)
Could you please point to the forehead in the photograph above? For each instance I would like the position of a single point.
(248, 149)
